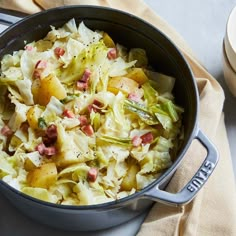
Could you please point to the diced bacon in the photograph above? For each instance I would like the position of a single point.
(82, 86)
(59, 51)
(51, 132)
(86, 76)
(40, 148)
(112, 54)
(6, 131)
(147, 138)
(41, 64)
(51, 135)
(97, 103)
(96, 106)
(91, 108)
(47, 141)
(39, 67)
(92, 174)
(83, 120)
(37, 74)
(50, 151)
(43, 150)
(68, 113)
(136, 141)
(88, 130)
(134, 97)
(29, 48)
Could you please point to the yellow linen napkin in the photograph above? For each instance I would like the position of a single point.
(213, 211)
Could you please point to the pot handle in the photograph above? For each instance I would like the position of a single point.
(195, 184)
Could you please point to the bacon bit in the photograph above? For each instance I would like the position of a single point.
(83, 120)
(86, 76)
(97, 103)
(40, 148)
(92, 174)
(59, 51)
(47, 141)
(51, 132)
(96, 106)
(88, 130)
(41, 64)
(50, 151)
(6, 131)
(43, 150)
(136, 141)
(82, 86)
(68, 113)
(134, 97)
(37, 74)
(39, 67)
(91, 108)
(112, 54)
(147, 138)
(51, 135)
(29, 48)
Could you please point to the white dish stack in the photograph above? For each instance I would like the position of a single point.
(229, 52)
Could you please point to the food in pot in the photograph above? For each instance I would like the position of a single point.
(83, 119)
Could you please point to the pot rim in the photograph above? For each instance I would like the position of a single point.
(167, 173)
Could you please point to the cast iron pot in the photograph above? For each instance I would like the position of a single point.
(164, 56)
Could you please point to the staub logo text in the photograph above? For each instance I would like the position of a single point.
(201, 176)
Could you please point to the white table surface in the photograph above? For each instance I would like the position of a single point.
(202, 24)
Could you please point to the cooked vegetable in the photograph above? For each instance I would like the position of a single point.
(48, 87)
(83, 119)
(33, 119)
(43, 177)
(129, 181)
(122, 84)
(108, 41)
(140, 55)
(138, 75)
(141, 111)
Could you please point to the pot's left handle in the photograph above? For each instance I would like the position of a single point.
(195, 184)
(9, 17)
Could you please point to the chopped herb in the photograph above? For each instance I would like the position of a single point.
(42, 123)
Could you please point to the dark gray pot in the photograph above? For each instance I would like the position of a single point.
(163, 56)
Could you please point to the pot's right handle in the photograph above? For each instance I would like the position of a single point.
(195, 184)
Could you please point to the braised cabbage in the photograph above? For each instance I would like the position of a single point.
(83, 119)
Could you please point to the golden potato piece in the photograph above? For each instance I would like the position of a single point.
(33, 115)
(123, 84)
(44, 89)
(29, 165)
(108, 41)
(138, 75)
(43, 177)
(129, 181)
(35, 88)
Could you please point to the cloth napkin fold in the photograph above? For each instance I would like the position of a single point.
(213, 211)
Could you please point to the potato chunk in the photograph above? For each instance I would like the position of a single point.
(123, 84)
(108, 41)
(129, 181)
(138, 75)
(43, 177)
(33, 115)
(35, 88)
(44, 89)
(29, 165)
